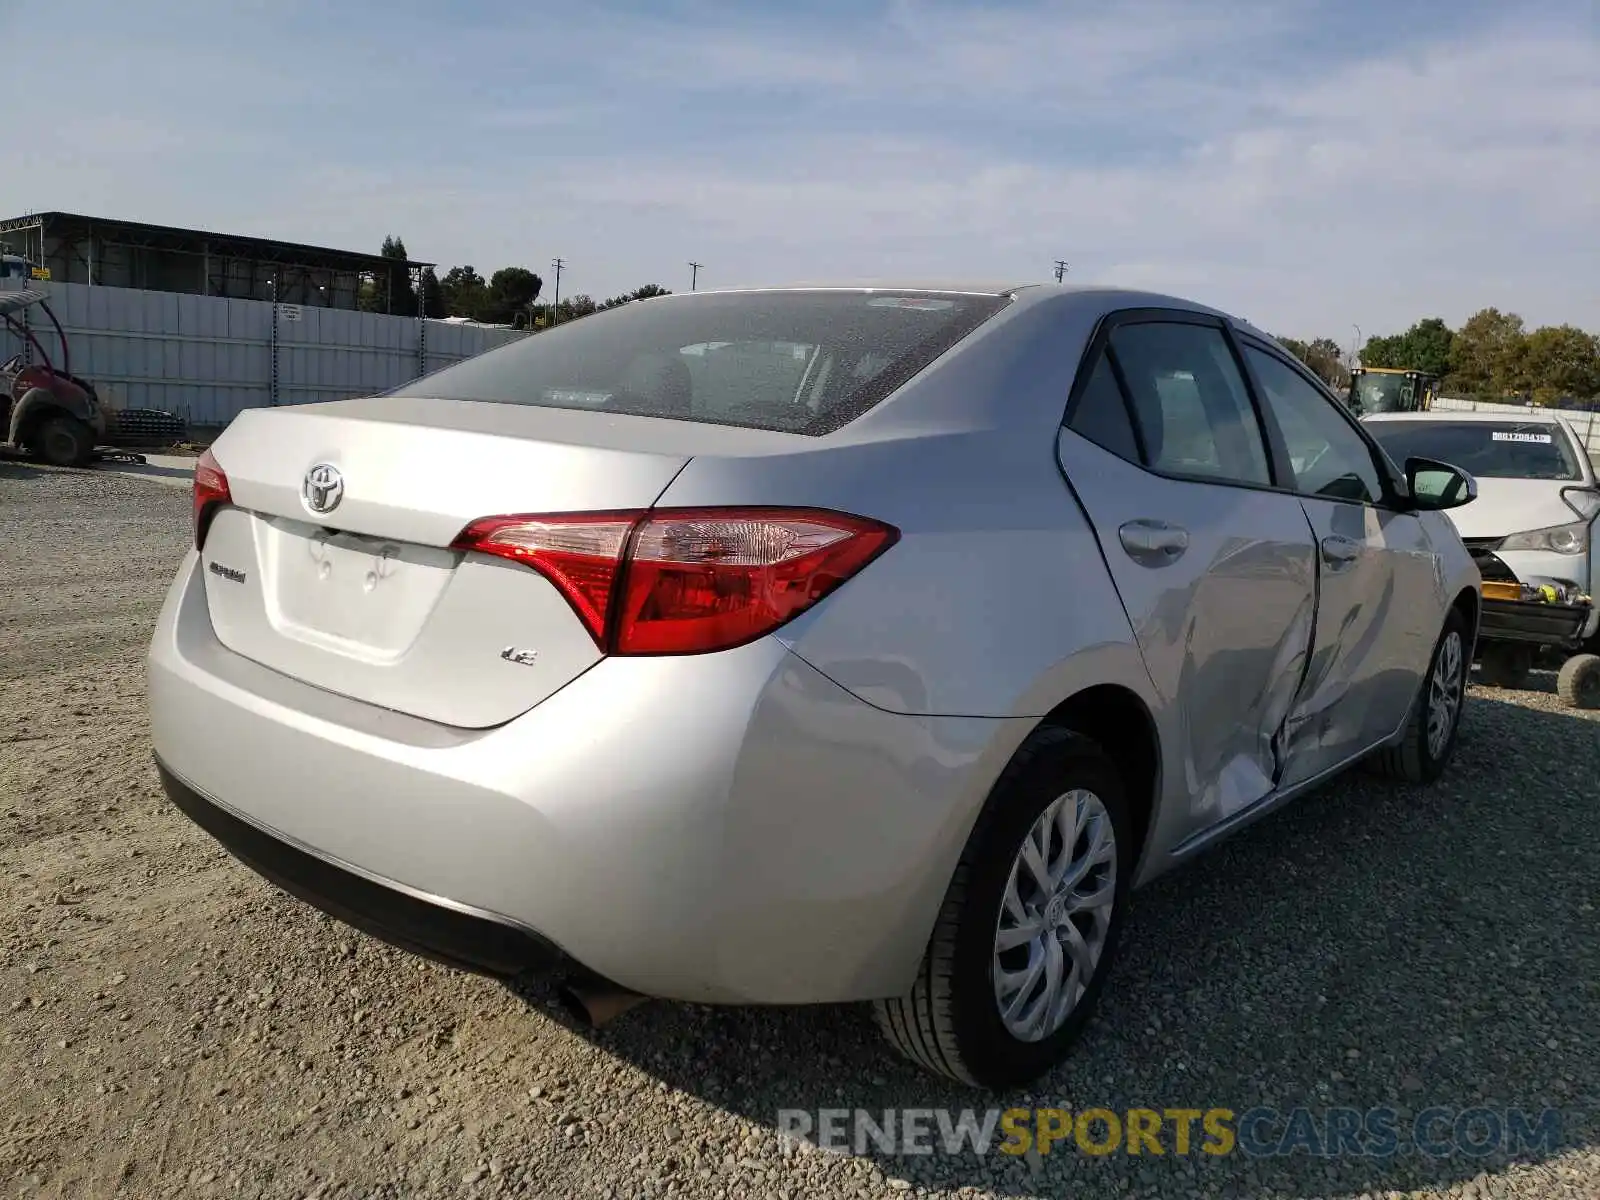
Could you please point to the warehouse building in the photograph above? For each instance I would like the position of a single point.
(129, 254)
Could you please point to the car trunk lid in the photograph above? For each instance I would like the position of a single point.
(368, 599)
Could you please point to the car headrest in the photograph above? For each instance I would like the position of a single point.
(662, 381)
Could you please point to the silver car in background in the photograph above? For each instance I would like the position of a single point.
(806, 645)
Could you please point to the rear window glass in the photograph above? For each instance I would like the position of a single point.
(1489, 449)
(793, 361)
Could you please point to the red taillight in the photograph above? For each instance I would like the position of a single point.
(686, 581)
(210, 493)
(579, 554)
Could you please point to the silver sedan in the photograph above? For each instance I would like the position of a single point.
(806, 645)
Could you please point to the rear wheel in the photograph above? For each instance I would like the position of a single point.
(1505, 665)
(63, 441)
(1429, 741)
(1029, 925)
(1578, 682)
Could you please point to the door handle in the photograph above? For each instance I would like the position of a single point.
(1153, 543)
(1340, 551)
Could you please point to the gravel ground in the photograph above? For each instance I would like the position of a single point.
(172, 1026)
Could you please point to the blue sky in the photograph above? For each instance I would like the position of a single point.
(1307, 165)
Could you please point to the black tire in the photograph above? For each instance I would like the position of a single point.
(63, 441)
(1578, 682)
(950, 1023)
(1505, 665)
(1412, 760)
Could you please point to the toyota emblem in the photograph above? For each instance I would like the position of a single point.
(323, 488)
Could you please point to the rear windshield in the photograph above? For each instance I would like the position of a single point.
(1490, 449)
(792, 361)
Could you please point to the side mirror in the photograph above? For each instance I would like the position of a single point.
(1435, 485)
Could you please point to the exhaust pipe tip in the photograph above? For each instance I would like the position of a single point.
(595, 1003)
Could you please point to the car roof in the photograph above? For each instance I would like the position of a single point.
(971, 287)
(1533, 416)
(1109, 296)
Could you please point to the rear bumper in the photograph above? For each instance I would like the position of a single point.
(726, 828)
(430, 926)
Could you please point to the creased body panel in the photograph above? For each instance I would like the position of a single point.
(1379, 614)
(1224, 625)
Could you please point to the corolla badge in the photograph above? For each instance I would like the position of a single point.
(322, 488)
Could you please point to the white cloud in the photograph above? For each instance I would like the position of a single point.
(1168, 144)
(1378, 192)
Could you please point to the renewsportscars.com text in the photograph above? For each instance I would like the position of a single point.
(1256, 1132)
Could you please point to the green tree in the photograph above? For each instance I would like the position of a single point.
(1561, 360)
(643, 293)
(1323, 356)
(466, 293)
(1426, 346)
(402, 297)
(1384, 352)
(390, 291)
(1294, 346)
(511, 294)
(1487, 355)
(574, 307)
(433, 304)
(1423, 347)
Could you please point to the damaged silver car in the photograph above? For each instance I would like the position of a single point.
(806, 645)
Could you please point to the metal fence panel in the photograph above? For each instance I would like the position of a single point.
(208, 358)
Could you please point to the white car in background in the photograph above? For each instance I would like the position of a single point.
(1538, 498)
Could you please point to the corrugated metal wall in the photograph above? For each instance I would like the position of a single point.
(207, 358)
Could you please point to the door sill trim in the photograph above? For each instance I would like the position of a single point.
(1260, 808)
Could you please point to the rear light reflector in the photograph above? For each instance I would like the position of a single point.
(580, 554)
(210, 493)
(686, 581)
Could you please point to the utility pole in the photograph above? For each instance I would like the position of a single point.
(1061, 269)
(555, 314)
(694, 275)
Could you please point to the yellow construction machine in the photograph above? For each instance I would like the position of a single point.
(1391, 390)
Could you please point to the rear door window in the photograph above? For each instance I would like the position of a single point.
(1101, 415)
(798, 361)
(1190, 402)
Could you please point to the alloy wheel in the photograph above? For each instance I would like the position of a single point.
(1055, 916)
(1444, 693)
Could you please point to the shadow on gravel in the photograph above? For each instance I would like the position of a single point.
(1373, 946)
(1541, 679)
(11, 468)
(147, 470)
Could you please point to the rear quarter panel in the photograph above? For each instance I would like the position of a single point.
(996, 601)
